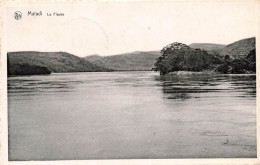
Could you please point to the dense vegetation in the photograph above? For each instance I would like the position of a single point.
(238, 66)
(180, 57)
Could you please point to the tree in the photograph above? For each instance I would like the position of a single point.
(251, 58)
(178, 56)
(224, 68)
(239, 66)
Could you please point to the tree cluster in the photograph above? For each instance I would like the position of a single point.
(238, 66)
(180, 57)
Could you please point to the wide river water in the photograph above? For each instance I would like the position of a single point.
(128, 115)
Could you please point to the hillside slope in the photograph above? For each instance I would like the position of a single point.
(93, 57)
(138, 60)
(209, 47)
(239, 49)
(53, 61)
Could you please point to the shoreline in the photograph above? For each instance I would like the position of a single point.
(208, 72)
(176, 73)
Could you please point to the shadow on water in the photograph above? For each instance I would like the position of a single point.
(32, 86)
(185, 87)
(181, 87)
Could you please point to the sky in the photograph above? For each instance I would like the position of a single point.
(109, 28)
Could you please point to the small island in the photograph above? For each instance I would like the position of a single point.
(180, 57)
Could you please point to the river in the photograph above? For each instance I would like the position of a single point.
(125, 115)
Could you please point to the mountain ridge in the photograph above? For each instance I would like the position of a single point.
(54, 61)
(137, 60)
(129, 61)
(209, 47)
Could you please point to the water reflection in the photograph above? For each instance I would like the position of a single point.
(32, 84)
(192, 86)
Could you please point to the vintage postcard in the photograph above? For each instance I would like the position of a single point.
(129, 82)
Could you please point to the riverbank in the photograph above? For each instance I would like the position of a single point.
(179, 73)
(206, 72)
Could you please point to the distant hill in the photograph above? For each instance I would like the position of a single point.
(53, 61)
(239, 49)
(93, 57)
(139, 60)
(209, 47)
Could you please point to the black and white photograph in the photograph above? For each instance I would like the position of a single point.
(142, 80)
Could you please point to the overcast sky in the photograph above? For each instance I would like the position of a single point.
(113, 28)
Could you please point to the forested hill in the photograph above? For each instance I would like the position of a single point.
(139, 60)
(48, 61)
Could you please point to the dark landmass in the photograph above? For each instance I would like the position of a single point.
(54, 61)
(180, 57)
(134, 61)
(238, 66)
(239, 49)
(26, 69)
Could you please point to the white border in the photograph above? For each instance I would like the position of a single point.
(3, 100)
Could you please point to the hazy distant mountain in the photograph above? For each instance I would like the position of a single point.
(209, 47)
(93, 57)
(139, 60)
(53, 61)
(239, 49)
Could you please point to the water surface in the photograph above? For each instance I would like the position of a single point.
(131, 115)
